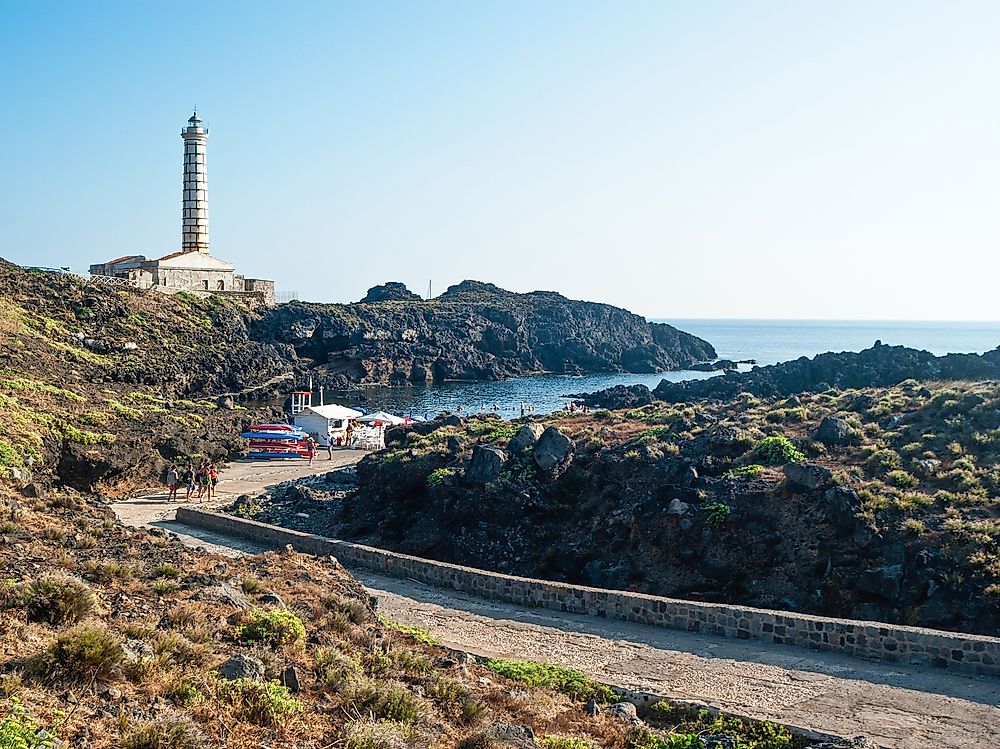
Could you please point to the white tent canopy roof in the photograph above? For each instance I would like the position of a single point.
(381, 416)
(332, 411)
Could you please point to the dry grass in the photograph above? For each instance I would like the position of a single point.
(357, 677)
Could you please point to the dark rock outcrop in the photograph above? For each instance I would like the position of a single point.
(834, 432)
(619, 396)
(525, 439)
(806, 477)
(242, 666)
(390, 291)
(486, 465)
(552, 450)
(878, 366)
(474, 331)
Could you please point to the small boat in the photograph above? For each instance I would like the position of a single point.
(276, 441)
(273, 428)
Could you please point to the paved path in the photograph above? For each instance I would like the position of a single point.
(900, 707)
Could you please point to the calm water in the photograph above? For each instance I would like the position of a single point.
(767, 341)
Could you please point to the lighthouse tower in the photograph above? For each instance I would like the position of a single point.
(195, 222)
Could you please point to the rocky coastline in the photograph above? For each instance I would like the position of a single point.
(878, 366)
(473, 331)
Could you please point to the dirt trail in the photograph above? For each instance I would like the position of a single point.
(900, 707)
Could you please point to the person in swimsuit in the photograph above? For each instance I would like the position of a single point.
(172, 483)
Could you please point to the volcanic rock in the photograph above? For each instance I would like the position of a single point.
(553, 449)
(243, 666)
(474, 331)
(486, 465)
(836, 432)
(878, 366)
(806, 476)
(525, 438)
(390, 291)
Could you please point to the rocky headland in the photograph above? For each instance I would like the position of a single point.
(104, 387)
(878, 366)
(473, 331)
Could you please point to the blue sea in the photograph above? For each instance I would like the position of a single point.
(766, 341)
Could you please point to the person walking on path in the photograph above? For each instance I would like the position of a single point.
(204, 482)
(329, 445)
(311, 449)
(188, 479)
(172, 483)
(213, 477)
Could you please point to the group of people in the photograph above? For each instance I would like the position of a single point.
(200, 482)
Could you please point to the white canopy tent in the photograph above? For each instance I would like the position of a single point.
(382, 416)
(326, 423)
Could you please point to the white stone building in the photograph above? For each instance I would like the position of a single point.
(193, 268)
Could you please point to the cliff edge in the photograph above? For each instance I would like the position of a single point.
(474, 331)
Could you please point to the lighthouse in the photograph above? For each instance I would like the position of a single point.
(194, 237)
(192, 268)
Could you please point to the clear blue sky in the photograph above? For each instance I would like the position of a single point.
(697, 159)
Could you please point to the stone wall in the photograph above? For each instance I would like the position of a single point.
(869, 640)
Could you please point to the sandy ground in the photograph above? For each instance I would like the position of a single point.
(900, 707)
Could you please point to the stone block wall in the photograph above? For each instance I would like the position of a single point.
(870, 640)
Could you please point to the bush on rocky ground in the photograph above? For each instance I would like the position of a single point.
(58, 599)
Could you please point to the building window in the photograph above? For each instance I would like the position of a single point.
(222, 285)
(206, 284)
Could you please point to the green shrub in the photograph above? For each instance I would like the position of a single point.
(58, 599)
(717, 513)
(754, 469)
(776, 451)
(565, 680)
(965, 464)
(167, 570)
(565, 742)
(657, 432)
(689, 725)
(380, 734)
(914, 526)
(184, 692)
(421, 635)
(180, 649)
(84, 654)
(385, 701)
(120, 409)
(178, 733)
(438, 477)
(9, 455)
(457, 699)
(71, 434)
(265, 703)
(334, 669)
(960, 480)
(164, 587)
(902, 479)
(793, 415)
(109, 571)
(19, 731)
(884, 460)
(19, 384)
(411, 663)
(274, 627)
